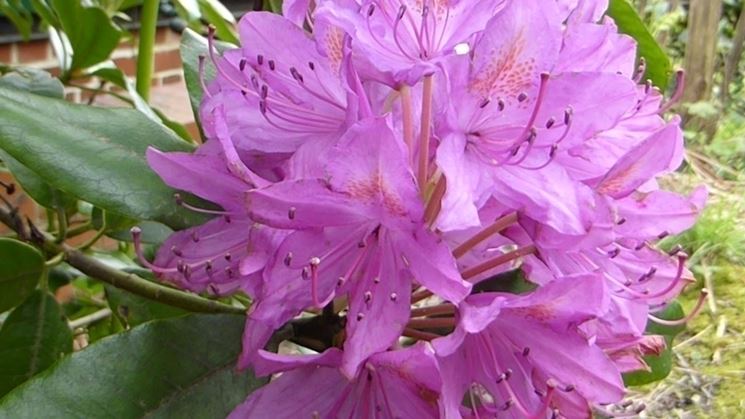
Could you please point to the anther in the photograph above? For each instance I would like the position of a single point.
(568, 112)
(340, 281)
(550, 123)
(229, 272)
(507, 404)
(526, 351)
(675, 250)
(228, 256)
(663, 235)
(291, 213)
(242, 64)
(10, 188)
(296, 75)
(615, 252)
(376, 280)
(194, 237)
(176, 252)
(500, 104)
(288, 258)
(311, 66)
(368, 296)
(620, 221)
(401, 12)
(484, 102)
(568, 388)
(305, 273)
(272, 66)
(213, 289)
(260, 59)
(394, 297)
(522, 97)
(370, 10)
(264, 91)
(641, 245)
(360, 316)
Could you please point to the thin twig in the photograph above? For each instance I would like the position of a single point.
(126, 281)
(89, 319)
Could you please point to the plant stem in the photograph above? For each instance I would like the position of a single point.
(145, 55)
(408, 116)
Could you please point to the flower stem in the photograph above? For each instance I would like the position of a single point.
(145, 55)
(425, 131)
(434, 205)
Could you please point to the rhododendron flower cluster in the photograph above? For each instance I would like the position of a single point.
(385, 168)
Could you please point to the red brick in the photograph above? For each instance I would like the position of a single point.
(127, 64)
(169, 60)
(6, 53)
(174, 78)
(161, 36)
(29, 52)
(54, 71)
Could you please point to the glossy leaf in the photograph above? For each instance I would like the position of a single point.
(35, 187)
(134, 310)
(32, 339)
(659, 68)
(181, 367)
(89, 46)
(660, 366)
(95, 154)
(41, 83)
(20, 270)
(35, 81)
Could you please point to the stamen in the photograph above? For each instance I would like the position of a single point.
(180, 202)
(686, 319)
(446, 308)
(498, 225)
(314, 262)
(202, 82)
(434, 205)
(640, 70)
(499, 260)
(680, 78)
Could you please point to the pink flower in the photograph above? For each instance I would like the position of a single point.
(397, 384)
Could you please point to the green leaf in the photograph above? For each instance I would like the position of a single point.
(134, 310)
(661, 365)
(192, 46)
(220, 17)
(659, 68)
(89, 46)
(36, 187)
(41, 83)
(152, 233)
(21, 268)
(16, 13)
(95, 154)
(35, 81)
(174, 368)
(274, 6)
(32, 339)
